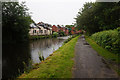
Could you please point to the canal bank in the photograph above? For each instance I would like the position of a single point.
(57, 65)
(15, 55)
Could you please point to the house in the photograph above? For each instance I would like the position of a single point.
(42, 31)
(55, 28)
(66, 31)
(62, 29)
(36, 29)
(58, 29)
(73, 30)
(47, 27)
(49, 31)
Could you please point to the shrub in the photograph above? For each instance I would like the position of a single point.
(61, 33)
(55, 34)
(109, 39)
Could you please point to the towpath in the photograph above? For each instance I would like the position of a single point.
(88, 64)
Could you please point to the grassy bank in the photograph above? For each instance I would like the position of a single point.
(58, 65)
(112, 59)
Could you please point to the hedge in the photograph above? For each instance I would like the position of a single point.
(109, 39)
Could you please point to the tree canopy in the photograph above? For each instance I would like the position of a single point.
(15, 22)
(69, 26)
(98, 16)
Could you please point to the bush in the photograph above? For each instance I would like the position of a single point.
(109, 39)
(55, 34)
(61, 33)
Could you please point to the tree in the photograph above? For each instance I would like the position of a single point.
(15, 22)
(69, 28)
(61, 33)
(98, 16)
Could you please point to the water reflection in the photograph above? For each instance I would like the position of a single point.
(13, 56)
(44, 47)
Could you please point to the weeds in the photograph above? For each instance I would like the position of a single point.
(41, 57)
(28, 67)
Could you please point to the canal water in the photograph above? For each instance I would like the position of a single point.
(13, 56)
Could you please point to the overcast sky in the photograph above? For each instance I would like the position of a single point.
(60, 12)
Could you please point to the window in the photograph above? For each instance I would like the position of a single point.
(41, 31)
(45, 31)
(34, 31)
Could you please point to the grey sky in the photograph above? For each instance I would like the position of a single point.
(60, 12)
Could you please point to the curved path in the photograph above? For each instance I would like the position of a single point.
(88, 64)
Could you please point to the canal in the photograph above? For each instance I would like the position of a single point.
(13, 56)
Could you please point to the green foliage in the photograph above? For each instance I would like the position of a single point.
(61, 33)
(55, 34)
(69, 26)
(109, 40)
(98, 16)
(15, 22)
(28, 67)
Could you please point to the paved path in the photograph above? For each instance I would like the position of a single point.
(88, 64)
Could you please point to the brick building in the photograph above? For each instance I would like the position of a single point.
(55, 28)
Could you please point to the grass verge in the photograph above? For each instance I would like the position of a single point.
(112, 59)
(58, 65)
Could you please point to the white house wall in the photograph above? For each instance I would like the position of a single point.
(38, 32)
(31, 31)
